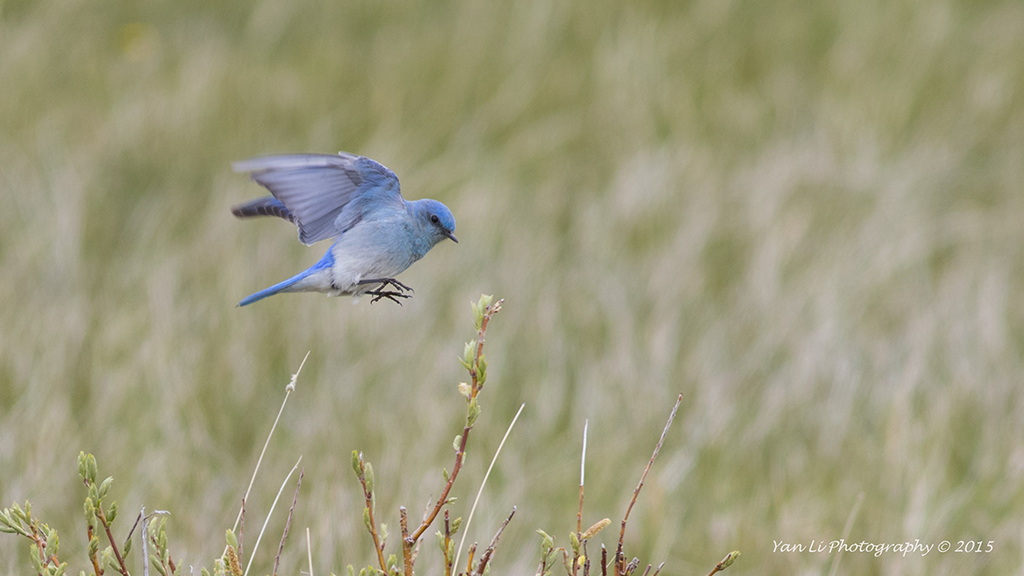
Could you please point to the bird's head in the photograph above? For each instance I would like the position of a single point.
(437, 219)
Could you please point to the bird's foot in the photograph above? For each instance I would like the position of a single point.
(393, 296)
(380, 292)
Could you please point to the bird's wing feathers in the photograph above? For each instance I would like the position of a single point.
(265, 206)
(325, 194)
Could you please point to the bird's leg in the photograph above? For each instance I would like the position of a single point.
(380, 291)
(384, 283)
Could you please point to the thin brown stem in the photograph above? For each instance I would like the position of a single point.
(489, 553)
(241, 530)
(368, 495)
(579, 513)
(447, 545)
(469, 563)
(620, 559)
(459, 456)
(90, 533)
(113, 544)
(288, 522)
(407, 543)
(461, 453)
(134, 526)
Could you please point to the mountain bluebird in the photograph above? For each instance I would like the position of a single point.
(357, 201)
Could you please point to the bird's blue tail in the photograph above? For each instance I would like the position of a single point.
(326, 262)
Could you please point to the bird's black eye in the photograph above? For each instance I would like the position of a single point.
(434, 218)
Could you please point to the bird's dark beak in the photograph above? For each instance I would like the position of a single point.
(452, 237)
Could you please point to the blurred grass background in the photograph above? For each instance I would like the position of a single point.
(804, 216)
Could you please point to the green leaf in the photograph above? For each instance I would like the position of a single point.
(105, 486)
(481, 369)
(472, 413)
(83, 470)
(91, 471)
(37, 562)
(52, 542)
(368, 473)
(547, 542)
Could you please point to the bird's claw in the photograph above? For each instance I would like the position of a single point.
(393, 296)
(380, 292)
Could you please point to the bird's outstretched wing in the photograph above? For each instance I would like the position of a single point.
(315, 189)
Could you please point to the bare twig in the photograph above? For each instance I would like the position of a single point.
(620, 559)
(489, 553)
(288, 522)
(134, 526)
(241, 529)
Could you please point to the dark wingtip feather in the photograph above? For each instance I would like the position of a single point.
(266, 206)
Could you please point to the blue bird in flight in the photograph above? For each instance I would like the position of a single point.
(356, 201)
